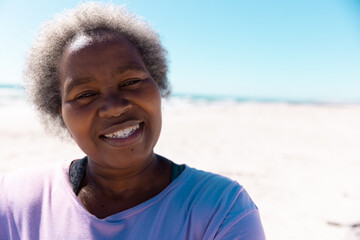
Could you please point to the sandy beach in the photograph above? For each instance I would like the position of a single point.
(299, 163)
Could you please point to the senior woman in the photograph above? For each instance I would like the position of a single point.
(97, 73)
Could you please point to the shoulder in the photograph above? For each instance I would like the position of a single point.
(217, 186)
(219, 203)
(213, 191)
(205, 178)
(26, 186)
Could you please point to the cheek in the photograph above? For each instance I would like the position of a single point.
(151, 104)
(74, 120)
(156, 115)
(154, 105)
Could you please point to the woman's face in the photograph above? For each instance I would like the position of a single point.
(110, 103)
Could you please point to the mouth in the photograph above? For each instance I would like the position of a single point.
(124, 133)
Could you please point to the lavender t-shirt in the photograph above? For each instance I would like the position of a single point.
(40, 204)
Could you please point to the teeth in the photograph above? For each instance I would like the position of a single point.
(123, 133)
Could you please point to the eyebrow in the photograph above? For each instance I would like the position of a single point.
(76, 82)
(121, 70)
(130, 67)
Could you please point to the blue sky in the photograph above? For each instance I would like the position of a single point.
(292, 49)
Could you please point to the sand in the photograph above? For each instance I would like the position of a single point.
(299, 163)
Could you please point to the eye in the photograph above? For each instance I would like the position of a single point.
(130, 82)
(85, 95)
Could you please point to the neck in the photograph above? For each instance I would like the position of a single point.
(128, 182)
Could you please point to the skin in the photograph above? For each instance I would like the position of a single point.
(105, 87)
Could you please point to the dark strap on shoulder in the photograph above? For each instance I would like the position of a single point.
(76, 173)
(176, 170)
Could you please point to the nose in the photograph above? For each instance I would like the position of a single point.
(114, 105)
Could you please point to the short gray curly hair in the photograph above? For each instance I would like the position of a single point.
(41, 74)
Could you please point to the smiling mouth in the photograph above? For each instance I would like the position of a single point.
(124, 133)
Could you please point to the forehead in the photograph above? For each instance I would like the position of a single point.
(94, 44)
(105, 50)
